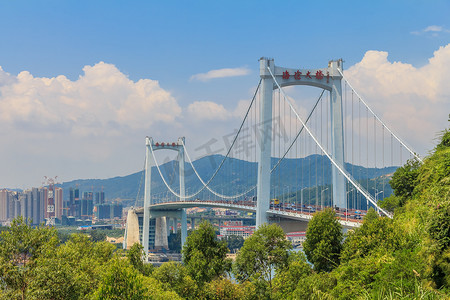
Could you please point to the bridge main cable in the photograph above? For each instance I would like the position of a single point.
(206, 185)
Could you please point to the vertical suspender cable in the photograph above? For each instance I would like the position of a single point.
(384, 177)
(367, 150)
(375, 153)
(353, 151)
(359, 151)
(323, 181)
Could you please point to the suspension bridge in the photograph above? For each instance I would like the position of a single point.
(281, 164)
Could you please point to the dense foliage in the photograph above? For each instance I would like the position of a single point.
(204, 255)
(406, 257)
(323, 243)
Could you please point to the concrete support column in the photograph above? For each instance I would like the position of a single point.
(132, 229)
(175, 225)
(161, 241)
(337, 137)
(265, 142)
(168, 221)
(182, 192)
(147, 193)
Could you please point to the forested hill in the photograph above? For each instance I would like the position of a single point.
(407, 257)
(312, 168)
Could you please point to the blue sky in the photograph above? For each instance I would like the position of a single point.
(168, 43)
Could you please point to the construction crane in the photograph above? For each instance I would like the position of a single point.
(50, 212)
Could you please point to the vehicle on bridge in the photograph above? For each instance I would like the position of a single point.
(275, 203)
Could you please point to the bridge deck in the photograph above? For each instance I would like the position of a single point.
(351, 218)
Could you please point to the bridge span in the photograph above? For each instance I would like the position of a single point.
(346, 219)
(291, 220)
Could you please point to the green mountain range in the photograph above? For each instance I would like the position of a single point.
(235, 176)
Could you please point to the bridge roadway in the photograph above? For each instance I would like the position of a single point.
(345, 219)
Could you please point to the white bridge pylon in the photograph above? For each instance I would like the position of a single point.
(337, 134)
(150, 147)
(274, 77)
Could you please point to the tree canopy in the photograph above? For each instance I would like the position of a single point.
(263, 252)
(323, 242)
(204, 255)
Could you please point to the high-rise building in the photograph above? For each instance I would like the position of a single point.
(103, 211)
(4, 205)
(58, 198)
(23, 205)
(34, 205)
(77, 203)
(16, 205)
(87, 205)
(99, 198)
(37, 211)
(117, 210)
(70, 203)
(108, 211)
(30, 203)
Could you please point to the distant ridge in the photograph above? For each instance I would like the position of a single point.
(125, 188)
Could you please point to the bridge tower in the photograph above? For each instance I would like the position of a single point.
(327, 78)
(159, 234)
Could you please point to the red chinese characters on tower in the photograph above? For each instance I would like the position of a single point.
(286, 75)
(297, 75)
(308, 74)
(319, 75)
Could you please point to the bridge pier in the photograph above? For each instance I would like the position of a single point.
(161, 241)
(175, 225)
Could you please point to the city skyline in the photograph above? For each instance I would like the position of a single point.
(82, 84)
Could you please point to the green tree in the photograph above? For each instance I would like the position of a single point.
(20, 247)
(136, 257)
(121, 281)
(97, 235)
(72, 271)
(316, 286)
(175, 277)
(267, 250)
(323, 242)
(390, 203)
(286, 281)
(157, 290)
(404, 180)
(234, 242)
(375, 234)
(204, 255)
(223, 289)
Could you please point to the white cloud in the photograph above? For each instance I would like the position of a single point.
(101, 97)
(91, 126)
(221, 73)
(432, 30)
(207, 110)
(414, 101)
